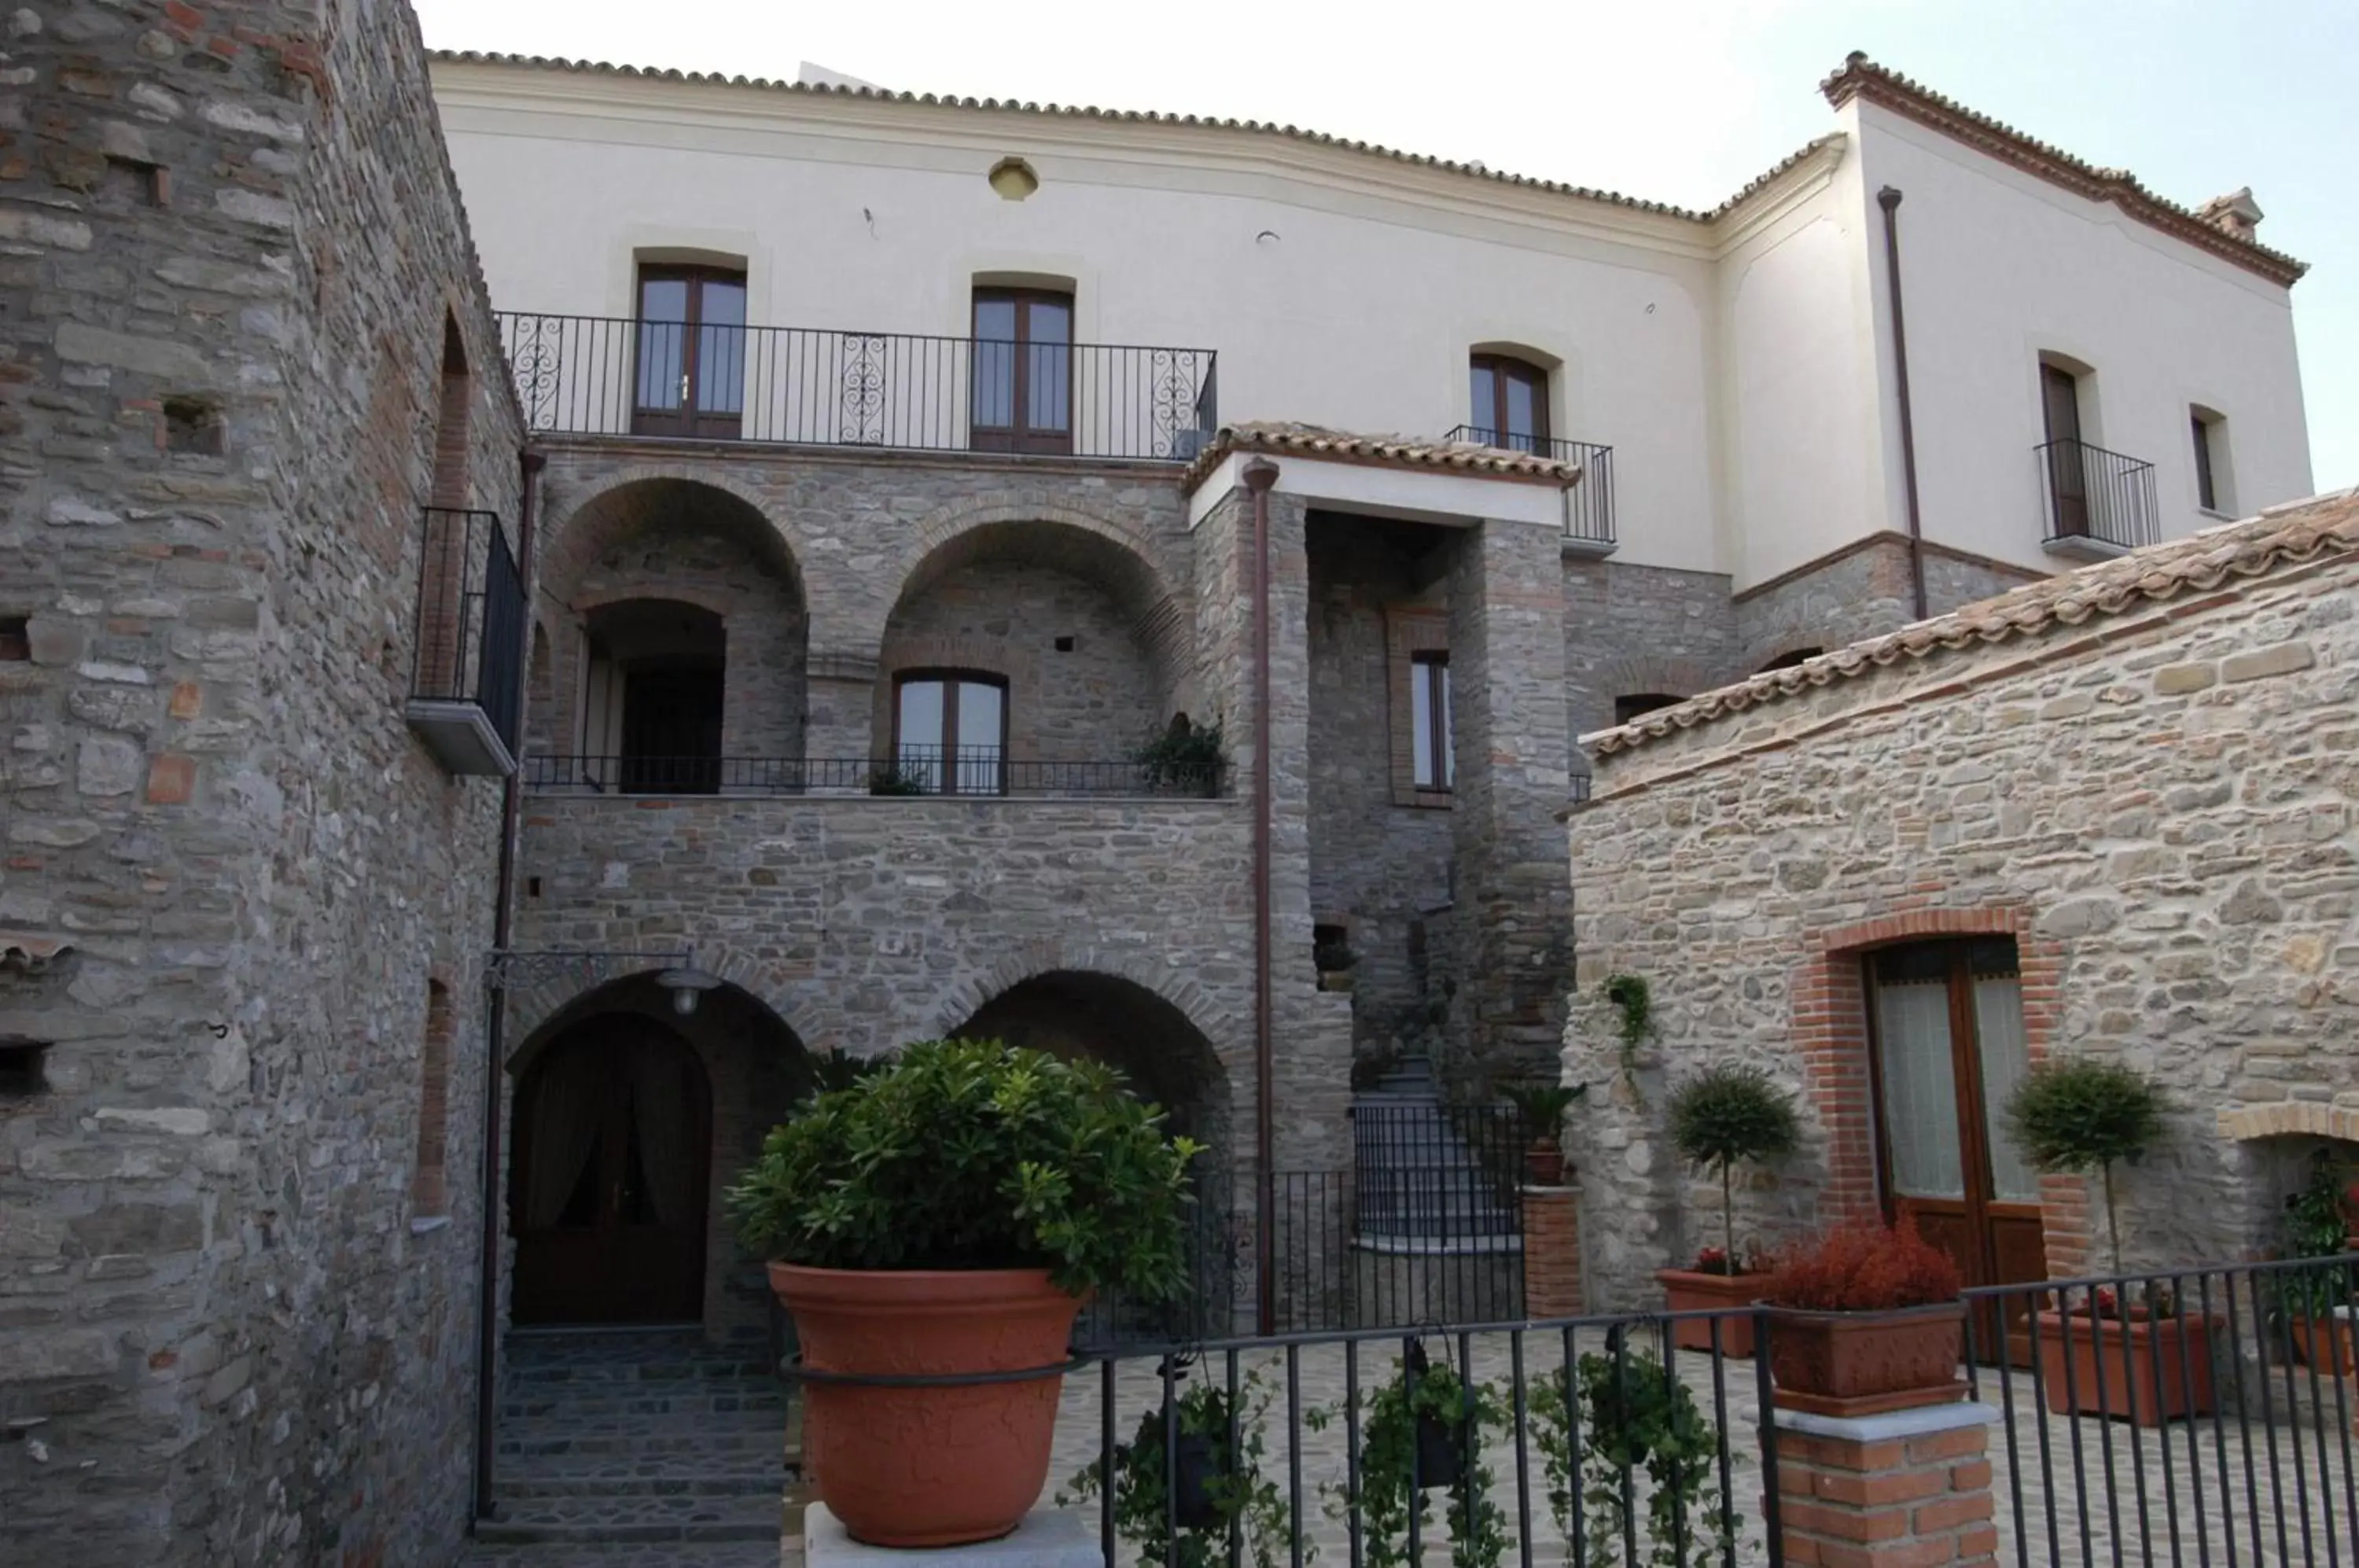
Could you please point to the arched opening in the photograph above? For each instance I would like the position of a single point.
(1792, 659)
(450, 425)
(654, 688)
(1066, 628)
(428, 1184)
(629, 1121)
(727, 597)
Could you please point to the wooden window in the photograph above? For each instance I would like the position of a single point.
(1511, 403)
(1630, 707)
(1432, 765)
(2067, 476)
(2210, 494)
(1022, 392)
(429, 1188)
(950, 732)
(692, 353)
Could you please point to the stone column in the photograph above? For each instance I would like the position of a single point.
(1552, 1252)
(839, 693)
(1889, 1491)
(1513, 887)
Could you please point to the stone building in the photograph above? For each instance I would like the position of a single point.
(248, 376)
(2116, 815)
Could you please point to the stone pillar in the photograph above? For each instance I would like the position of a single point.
(839, 721)
(1890, 1491)
(1513, 886)
(1552, 1252)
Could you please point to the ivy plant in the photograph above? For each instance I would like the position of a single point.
(1389, 1441)
(1242, 1495)
(1633, 1007)
(1636, 1419)
(1185, 758)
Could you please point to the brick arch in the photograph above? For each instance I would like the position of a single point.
(1031, 960)
(1830, 1034)
(537, 1012)
(1647, 672)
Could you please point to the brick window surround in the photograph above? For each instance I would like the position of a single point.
(1830, 1038)
(429, 1188)
(1409, 630)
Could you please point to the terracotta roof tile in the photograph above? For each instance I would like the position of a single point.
(1470, 458)
(1861, 77)
(2283, 536)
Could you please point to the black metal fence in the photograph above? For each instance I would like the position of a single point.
(1588, 505)
(2088, 493)
(470, 618)
(981, 776)
(601, 375)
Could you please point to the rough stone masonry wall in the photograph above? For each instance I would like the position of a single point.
(1637, 630)
(2161, 805)
(1859, 592)
(229, 238)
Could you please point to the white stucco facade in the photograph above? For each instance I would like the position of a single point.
(1739, 364)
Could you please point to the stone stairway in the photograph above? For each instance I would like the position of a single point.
(1416, 1177)
(641, 1447)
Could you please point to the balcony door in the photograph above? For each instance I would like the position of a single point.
(691, 354)
(1947, 1020)
(2068, 478)
(1510, 405)
(1022, 392)
(951, 732)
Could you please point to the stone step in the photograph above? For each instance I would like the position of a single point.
(523, 1443)
(689, 1369)
(621, 1520)
(682, 1474)
(531, 1405)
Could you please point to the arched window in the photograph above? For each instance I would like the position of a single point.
(1510, 405)
(450, 421)
(428, 1189)
(1630, 707)
(950, 732)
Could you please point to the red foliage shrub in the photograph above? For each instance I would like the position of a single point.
(1864, 1267)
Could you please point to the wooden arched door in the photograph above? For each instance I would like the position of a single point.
(610, 1189)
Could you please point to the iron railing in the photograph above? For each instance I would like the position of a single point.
(1588, 505)
(606, 376)
(2088, 493)
(1610, 1441)
(982, 777)
(470, 618)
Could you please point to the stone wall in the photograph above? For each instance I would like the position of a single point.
(232, 248)
(1637, 630)
(1858, 593)
(2157, 804)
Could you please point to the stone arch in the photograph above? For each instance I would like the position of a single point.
(560, 520)
(1650, 672)
(550, 1000)
(1029, 961)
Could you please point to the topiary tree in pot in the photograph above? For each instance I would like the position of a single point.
(2084, 1115)
(1724, 1117)
(943, 1216)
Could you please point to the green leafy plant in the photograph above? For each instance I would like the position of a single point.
(838, 1069)
(1633, 1007)
(1727, 1115)
(1236, 1490)
(1542, 1106)
(896, 778)
(971, 1154)
(2085, 1114)
(1185, 758)
(1444, 1402)
(2316, 1225)
(1636, 1417)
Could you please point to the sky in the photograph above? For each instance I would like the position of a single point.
(1678, 100)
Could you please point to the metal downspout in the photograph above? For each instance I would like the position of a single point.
(1889, 199)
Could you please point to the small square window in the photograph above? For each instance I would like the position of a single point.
(16, 639)
(22, 1067)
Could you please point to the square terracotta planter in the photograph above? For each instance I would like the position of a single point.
(1866, 1363)
(1687, 1290)
(2138, 1369)
(2326, 1343)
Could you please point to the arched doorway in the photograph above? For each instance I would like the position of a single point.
(608, 1197)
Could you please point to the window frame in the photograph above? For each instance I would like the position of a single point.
(1436, 773)
(1503, 368)
(2206, 428)
(950, 679)
(1020, 434)
(686, 417)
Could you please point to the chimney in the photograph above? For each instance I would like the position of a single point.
(2237, 212)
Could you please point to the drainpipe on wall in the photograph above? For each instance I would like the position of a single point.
(1260, 475)
(1889, 199)
(487, 1304)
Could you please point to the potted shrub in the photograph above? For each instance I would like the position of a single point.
(2104, 1355)
(1867, 1317)
(943, 1216)
(2317, 1302)
(1542, 1108)
(1721, 1117)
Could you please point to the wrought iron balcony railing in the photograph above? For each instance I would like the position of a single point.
(1588, 505)
(2089, 495)
(603, 376)
(981, 776)
(467, 685)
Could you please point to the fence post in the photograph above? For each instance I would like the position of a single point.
(1552, 1251)
(1888, 1491)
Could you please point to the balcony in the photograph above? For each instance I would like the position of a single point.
(1588, 505)
(895, 391)
(2095, 502)
(465, 687)
(981, 774)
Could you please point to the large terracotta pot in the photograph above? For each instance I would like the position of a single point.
(1865, 1364)
(2140, 1368)
(2323, 1343)
(1690, 1291)
(927, 1466)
